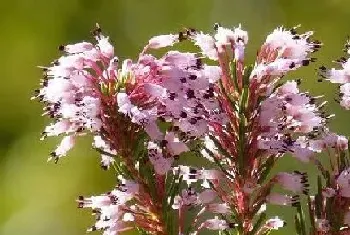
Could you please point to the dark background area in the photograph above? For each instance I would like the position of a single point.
(37, 197)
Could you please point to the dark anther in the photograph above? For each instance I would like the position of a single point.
(61, 48)
(183, 80)
(305, 62)
(289, 99)
(190, 94)
(342, 59)
(95, 211)
(206, 96)
(239, 40)
(199, 63)
(292, 65)
(216, 26)
(172, 96)
(181, 36)
(192, 177)
(193, 121)
(323, 68)
(97, 31)
(296, 37)
(56, 63)
(231, 225)
(183, 114)
(104, 167)
(298, 81)
(293, 31)
(317, 46)
(192, 77)
(190, 31)
(163, 143)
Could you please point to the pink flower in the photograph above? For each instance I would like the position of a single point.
(219, 208)
(107, 50)
(289, 44)
(343, 182)
(70, 91)
(295, 182)
(66, 144)
(207, 45)
(215, 224)
(225, 36)
(174, 145)
(163, 41)
(77, 48)
(275, 223)
(206, 196)
(191, 174)
(283, 200)
(161, 164)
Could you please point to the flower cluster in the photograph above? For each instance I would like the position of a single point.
(266, 120)
(333, 189)
(69, 91)
(148, 113)
(113, 213)
(341, 76)
(286, 118)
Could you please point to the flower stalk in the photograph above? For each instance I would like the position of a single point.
(150, 115)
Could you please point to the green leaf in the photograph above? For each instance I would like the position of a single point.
(319, 198)
(233, 70)
(246, 75)
(265, 169)
(230, 98)
(311, 215)
(241, 144)
(258, 223)
(300, 220)
(218, 163)
(220, 148)
(297, 225)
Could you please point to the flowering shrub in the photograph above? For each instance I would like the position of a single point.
(150, 115)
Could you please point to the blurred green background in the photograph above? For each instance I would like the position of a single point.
(37, 197)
